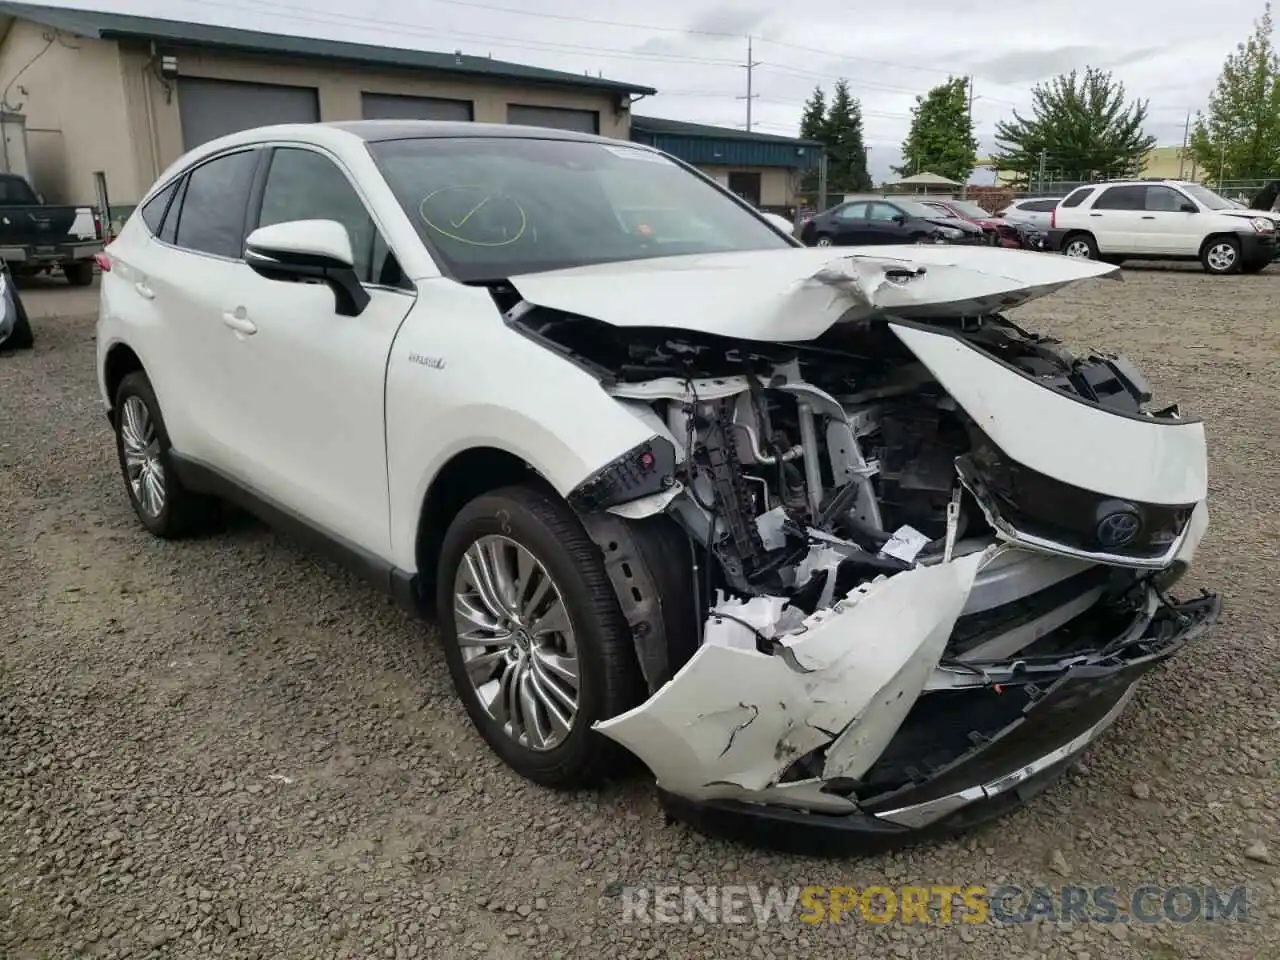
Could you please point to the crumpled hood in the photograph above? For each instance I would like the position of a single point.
(1250, 214)
(796, 294)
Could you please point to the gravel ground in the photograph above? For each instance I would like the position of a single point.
(229, 748)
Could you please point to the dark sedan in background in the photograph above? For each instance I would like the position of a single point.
(877, 220)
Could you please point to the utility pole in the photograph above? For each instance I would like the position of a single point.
(822, 181)
(750, 66)
(1222, 163)
(971, 102)
(1186, 135)
(1043, 159)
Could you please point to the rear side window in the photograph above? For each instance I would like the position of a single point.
(1077, 198)
(213, 205)
(1042, 206)
(153, 210)
(1122, 198)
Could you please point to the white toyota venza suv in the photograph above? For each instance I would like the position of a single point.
(836, 549)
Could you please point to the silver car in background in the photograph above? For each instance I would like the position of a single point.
(1033, 211)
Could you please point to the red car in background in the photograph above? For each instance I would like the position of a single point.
(997, 232)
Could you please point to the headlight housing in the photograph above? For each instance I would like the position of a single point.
(950, 233)
(1263, 225)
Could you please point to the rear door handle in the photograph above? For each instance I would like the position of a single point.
(238, 322)
(1095, 214)
(1148, 218)
(144, 291)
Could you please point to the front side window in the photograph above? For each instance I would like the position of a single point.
(492, 208)
(1207, 198)
(884, 212)
(853, 211)
(305, 185)
(211, 219)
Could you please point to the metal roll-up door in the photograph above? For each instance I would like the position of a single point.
(214, 108)
(584, 121)
(391, 106)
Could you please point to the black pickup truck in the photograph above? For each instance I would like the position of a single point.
(36, 237)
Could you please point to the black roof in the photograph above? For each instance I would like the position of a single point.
(378, 130)
(679, 128)
(119, 26)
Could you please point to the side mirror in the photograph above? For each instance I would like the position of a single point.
(899, 218)
(1189, 208)
(309, 251)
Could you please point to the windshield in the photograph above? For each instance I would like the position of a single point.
(914, 208)
(1207, 197)
(492, 208)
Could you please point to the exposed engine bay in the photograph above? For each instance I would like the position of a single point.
(889, 571)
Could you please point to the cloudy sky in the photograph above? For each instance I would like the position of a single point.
(693, 51)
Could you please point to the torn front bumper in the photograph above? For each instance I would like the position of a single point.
(956, 756)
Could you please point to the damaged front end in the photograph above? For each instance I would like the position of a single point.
(889, 575)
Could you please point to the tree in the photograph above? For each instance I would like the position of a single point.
(941, 137)
(1240, 137)
(1081, 128)
(846, 152)
(813, 126)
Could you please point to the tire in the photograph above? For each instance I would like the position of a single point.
(608, 677)
(78, 273)
(1080, 246)
(139, 426)
(1220, 256)
(21, 336)
(824, 240)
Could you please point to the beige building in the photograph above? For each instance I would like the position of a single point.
(127, 95)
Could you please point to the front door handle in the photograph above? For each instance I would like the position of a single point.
(1148, 218)
(144, 291)
(239, 322)
(1095, 214)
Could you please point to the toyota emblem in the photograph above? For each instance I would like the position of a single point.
(1118, 529)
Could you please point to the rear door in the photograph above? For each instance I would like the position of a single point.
(1115, 219)
(850, 223)
(177, 282)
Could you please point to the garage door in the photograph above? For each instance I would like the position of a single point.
(212, 108)
(584, 121)
(388, 106)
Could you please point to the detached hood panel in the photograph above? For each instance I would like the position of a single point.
(794, 295)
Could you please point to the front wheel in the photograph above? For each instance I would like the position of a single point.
(534, 637)
(1221, 256)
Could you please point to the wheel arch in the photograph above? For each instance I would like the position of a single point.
(120, 361)
(1218, 235)
(468, 474)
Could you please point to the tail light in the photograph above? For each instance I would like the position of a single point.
(97, 224)
(103, 260)
(1053, 218)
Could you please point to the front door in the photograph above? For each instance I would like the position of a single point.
(308, 391)
(1166, 228)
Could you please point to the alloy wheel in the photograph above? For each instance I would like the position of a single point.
(1078, 249)
(824, 241)
(1221, 257)
(140, 446)
(517, 642)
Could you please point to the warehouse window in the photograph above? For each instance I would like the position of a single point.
(583, 121)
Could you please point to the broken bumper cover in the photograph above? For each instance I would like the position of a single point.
(1062, 712)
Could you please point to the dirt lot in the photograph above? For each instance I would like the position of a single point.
(228, 748)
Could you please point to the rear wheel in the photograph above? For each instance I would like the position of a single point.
(79, 273)
(162, 504)
(824, 241)
(534, 637)
(1221, 255)
(1080, 246)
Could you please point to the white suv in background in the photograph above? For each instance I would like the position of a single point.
(1033, 211)
(1162, 220)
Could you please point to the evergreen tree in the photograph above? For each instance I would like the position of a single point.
(1081, 127)
(846, 151)
(813, 123)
